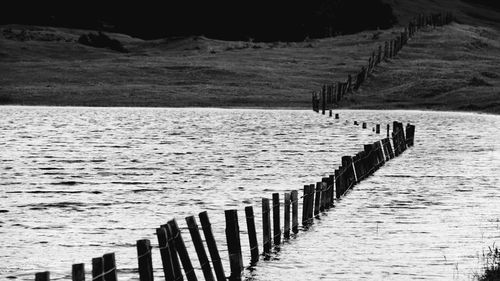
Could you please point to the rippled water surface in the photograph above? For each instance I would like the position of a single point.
(76, 183)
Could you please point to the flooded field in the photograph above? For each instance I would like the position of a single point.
(76, 183)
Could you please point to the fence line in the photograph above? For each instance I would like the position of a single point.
(331, 94)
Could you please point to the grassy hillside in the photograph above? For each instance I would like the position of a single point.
(454, 67)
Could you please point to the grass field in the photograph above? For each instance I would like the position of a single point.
(456, 67)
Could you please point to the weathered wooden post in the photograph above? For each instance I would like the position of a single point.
(109, 265)
(42, 276)
(144, 259)
(234, 245)
(276, 219)
(286, 231)
(377, 128)
(199, 248)
(317, 199)
(266, 225)
(167, 256)
(294, 197)
(337, 116)
(323, 100)
(78, 272)
(180, 247)
(364, 125)
(212, 246)
(252, 235)
(98, 269)
(305, 206)
(311, 204)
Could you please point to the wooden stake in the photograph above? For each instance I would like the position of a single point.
(98, 269)
(109, 267)
(266, 225)
(286, 232)
(166, 256)
(78, 272)
(294, 197)
(144, 259)
(252, 235)
(180, 248)
(42, 276)
(276, 219)
(234, 245)
(212, 246)
(200, 249)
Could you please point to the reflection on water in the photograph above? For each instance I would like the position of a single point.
(76, 183)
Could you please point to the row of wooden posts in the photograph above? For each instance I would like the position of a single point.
(331, 94)
(317, 198)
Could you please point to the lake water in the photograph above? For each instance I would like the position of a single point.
(76, 183)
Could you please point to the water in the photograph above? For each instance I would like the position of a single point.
(76, 183)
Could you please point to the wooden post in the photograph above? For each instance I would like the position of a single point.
(266, 225)
(42, 276)
(388, 129)
(234, 245)
(294, 197)
(331, 113)
(276, 219)
(377, 128)
(167, 256)
(98, 269)
(78, 272)
(337, 116)
(144, 259)
(200, 249)
(252, 235)
(364, 125)
(317, 199)
(180, 247)
(311, 203)
(338, 192)
(286, 232)
(305, 203)
(331, 196)
(212, 246)
(323, 100)
(109, 267)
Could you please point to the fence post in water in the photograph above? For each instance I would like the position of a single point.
(337, 184)
(42, 276)
(78, 272)
(286, 230)
(266, 225)
(98, 269)
(294, 197)
(323, 100)
(180, 248)
(212, 246)
(144, 259)
(377, 128)
(199, 248)
(234, 245)
(166, 255)
(109, 267)
(252, 235)
(311, 204)
(305, 207)
(364, 125)
(276, 219)
(317, 199)
(388, 130)
(337, 116)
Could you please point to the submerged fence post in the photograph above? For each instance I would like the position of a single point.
(144, 259)
(180, 247)
(167, 256)
(252, 235)
(276, 219)
(294, 197)
(109, 267)
(266, 225)
(200, 249)
(98, 269)
(212, 246)
(286, 228)
(78, 272)
(317, 199)
(234, 245)
(42, 276)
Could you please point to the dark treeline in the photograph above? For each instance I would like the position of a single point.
(235, 20)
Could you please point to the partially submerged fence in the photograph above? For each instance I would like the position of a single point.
(331, 94)
(316, 199)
